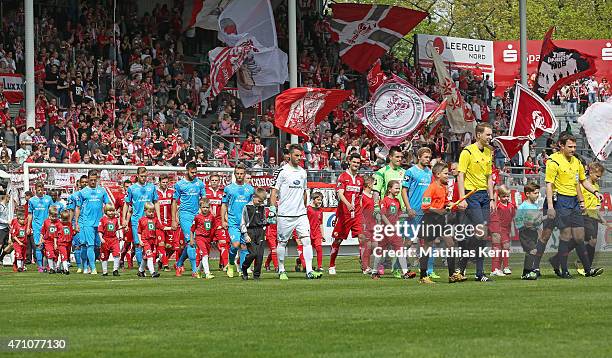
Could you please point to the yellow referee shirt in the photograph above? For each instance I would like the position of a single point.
(476, 164)
(591, 202)
(564, 174)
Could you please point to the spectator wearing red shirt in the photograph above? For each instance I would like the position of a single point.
(248, 148)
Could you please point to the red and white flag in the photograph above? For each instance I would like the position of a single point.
(203, 13)
(531, 118)
(12, 86)
(366, 32)
(458, 111)
(225, 61)
(375, 77)
(298, 110)
(560, 66)
(396, 110)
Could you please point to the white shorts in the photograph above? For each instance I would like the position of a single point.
(285, 226)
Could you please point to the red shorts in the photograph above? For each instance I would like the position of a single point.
(346, 225)
(221, 234)
(20, 251)
(110, 246)
(127, 234)
(271, 234)
(64, 251)
(148, 248)
(50, 252)
(175, 239)
(394, 241)
(202, 247)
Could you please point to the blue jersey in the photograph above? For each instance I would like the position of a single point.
(137, 196)
(189, 194)
(60, 206)
(39, 209)
(236, 197)
(71, 201)
(416, 180)
(91, 201)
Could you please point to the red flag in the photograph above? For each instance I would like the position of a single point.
(376, 77)
(560, 66)
(300, 109)
(225, 61)
(433, 122)
(396, 110)
(531, 117)
(366, 32)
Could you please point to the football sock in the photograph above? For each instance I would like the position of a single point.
(423, 260)
(319, 251)
(563, 252)
(91, 257)
(141, 267)
(540, 247)
(450, 261)
(506, 257)
(528, 263)
(232, 254)
(223, 255)
(150, 265)
(205, 264)
(84, 257)
(191, 254)
(138, 254)
(463, 245)
(591, 252)
(182, 258)
(20, 263)
(77, 257)
(104, 266)
(115, 263)
(97, 252)
(268, 259)
(243, 255)
(495, 259)
(65, 264)
(430, 264)
(51, 267)
(335, 247)
(479, 258)
(281, 251)
(39, 257)
(583, 256)
(307, 250)
(300, 250)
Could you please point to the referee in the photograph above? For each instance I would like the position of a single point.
(475, 167)
(565, 203)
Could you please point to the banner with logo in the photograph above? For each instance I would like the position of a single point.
(375, 77)
(225, 61)
(456, 53)
(531, 117)
(13, 87)
(396, 110)
(597, 123)
(508, 64)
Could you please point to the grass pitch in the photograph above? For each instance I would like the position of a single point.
(346, 315)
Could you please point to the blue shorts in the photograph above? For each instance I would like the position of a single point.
(186, 221)
(88, 235)
(235, 234)
(478, 209)
(36, 234)
(413, 223)
(568, 212)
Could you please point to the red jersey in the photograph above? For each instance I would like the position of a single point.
(203, 226)
(367, 211)
(506, 213)
(147, 228)
(215, 201)
(390, 207)
(51, 230)
(67, 234)
(19, 231)
(165, 205)
(315, 218)
(353, 187)
(108, 227)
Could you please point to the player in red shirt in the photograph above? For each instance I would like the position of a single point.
(126, 232)
(50, 233)
(348, 213)
(65, 241)
(19, 239)
(390, 210)
(203, 230)
(500, 227)
(271, 234)
(367, 214)
(108, 230)
(214, 193)
(163, 207)
(315, 218)
(148, 230)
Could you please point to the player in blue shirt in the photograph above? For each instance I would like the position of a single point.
(416, 180)
(57, 202)
(235, 198)
(71, 205)
(89, 210)
(138, 194)
(38, 210)
(188, 191)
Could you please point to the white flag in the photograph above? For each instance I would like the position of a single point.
(252, 17)
(597, 124)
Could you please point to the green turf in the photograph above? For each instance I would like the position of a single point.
(346, 315)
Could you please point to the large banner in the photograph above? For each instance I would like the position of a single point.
(13, 86)
(507, 59)
(457, 53)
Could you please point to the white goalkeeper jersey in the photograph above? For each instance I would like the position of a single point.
(291, 183)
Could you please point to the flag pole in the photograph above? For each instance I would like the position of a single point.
(30, 100)
(523, 48)
(292, 51)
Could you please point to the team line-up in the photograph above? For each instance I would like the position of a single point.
(155, 222)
